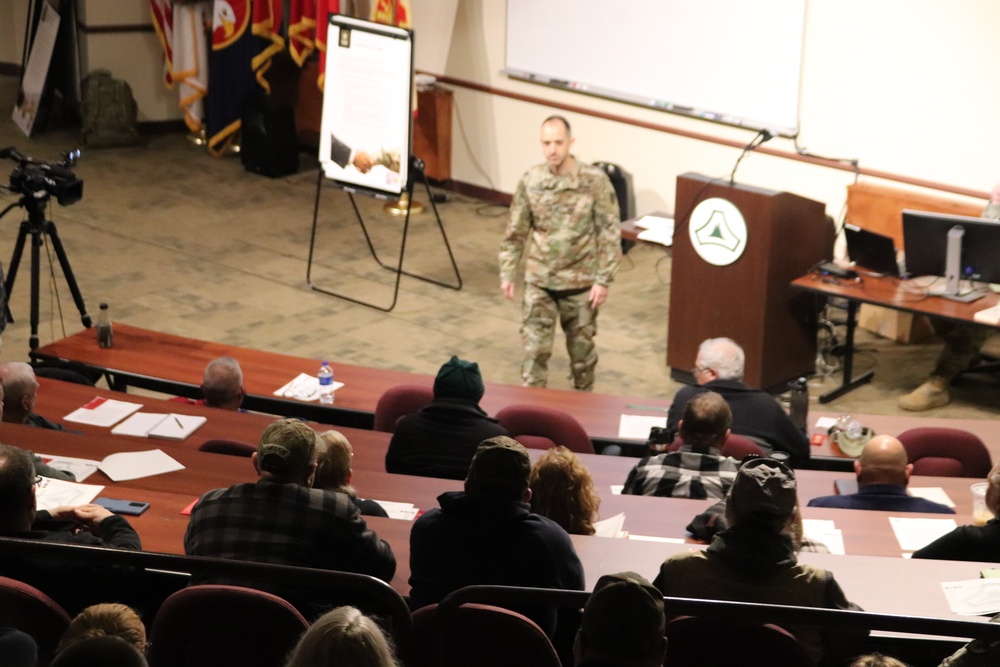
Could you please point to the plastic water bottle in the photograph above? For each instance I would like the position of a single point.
(105, 334)
(798, 404)
(325, 377)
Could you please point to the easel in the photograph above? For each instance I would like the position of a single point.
(416, 168)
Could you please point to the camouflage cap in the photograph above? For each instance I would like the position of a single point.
(287, 447)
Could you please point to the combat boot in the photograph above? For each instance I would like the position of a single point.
(931, 394)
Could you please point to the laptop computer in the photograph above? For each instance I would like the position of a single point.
(872, 251)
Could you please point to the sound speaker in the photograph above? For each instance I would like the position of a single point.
(268, 145)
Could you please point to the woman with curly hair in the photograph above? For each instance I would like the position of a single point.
(562, 490)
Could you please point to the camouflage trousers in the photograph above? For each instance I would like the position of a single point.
(962, 342)
(579, 323)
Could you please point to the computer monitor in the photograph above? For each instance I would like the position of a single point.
(925, 241)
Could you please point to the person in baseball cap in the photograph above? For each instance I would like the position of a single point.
(623, 624)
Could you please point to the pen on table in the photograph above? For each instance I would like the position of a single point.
(179, 424)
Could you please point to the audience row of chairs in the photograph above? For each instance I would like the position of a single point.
(209, 625)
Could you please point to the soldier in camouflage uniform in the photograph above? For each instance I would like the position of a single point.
(567, 214)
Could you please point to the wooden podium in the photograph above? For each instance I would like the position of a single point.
(750, 299)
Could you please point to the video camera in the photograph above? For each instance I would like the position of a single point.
(32, 176)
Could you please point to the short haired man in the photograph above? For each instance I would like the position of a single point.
(222, 386)
(487, 534)
(20, 391)
(566, 213)
(623, 624)
(756, 415)
(42, 468)
(698, 469)
(753, 560)
(74, 585)
(883, 471)
(281, 519)
(440, 439)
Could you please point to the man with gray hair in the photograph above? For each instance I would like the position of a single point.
(282, 519)
(756, 415)
(223, 384)
(20, 391)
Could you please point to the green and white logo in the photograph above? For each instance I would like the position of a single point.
(718, 231)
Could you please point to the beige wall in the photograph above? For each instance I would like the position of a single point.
(13, 14)
(902, 85)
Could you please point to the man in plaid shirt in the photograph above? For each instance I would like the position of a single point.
(698, 469)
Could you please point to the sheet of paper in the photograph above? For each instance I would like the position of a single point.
(177, 427)
(934, 493)
(304, 387)
(51, 493)
(824, 423)
(636, 427)
(133, 465)
(653, 538)
(913, 534)
(663, 235)
(650, 221)
(396, 510)
(139, 424)
(825, 532)
(102, 412)
(610, 527)
(616, 489)
(81, 468)
(973, 596)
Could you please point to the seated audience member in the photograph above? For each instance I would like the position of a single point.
(41, 468)
(877, 660)
(698, 469)
(73, 585)
(753, 560)
(106, 620)
(281, 519)
(705, 525)
(440, 439)
(756, 415)
(562, 490)
(977, 653)
(883, 472)
(623, 624)
(222, 386)
(102, 651)
(487, 534)
(333, 470)
(18, 648)
(345, 637)
(20, 391)
(975, 543)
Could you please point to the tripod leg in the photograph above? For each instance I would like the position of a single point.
(67, 270)
(36, 246)
(15, 260)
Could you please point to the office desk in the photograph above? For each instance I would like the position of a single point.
(175, 365)
(889, 293)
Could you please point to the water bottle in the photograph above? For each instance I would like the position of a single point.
(325, 377)
(105, 334)
(798, 404)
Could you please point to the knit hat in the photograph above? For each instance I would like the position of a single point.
(763, 492)
(287, 447)
(500, 467)
(459, 378)
(623, 616)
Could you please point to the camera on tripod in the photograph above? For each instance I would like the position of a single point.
(32, 177)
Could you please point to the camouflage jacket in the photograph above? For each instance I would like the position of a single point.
(571, 226)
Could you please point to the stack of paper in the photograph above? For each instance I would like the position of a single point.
(122, 466)
(152, 425)
(657, 229)
(102, 412)
(304, 387)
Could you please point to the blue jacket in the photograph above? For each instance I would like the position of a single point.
(885, 497)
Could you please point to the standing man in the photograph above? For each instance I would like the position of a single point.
(567, 214)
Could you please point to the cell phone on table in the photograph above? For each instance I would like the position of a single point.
(130, 507)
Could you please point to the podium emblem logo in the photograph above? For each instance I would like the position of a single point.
(718, 231)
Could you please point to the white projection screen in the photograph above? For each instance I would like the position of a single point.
(730, 61)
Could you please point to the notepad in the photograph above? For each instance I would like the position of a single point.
(102, 412)
(155, 425)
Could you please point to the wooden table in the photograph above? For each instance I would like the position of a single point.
(890, 293)
(175, 365)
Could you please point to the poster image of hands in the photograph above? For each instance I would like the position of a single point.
(367, 117)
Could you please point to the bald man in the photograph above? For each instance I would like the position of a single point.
(883, 472)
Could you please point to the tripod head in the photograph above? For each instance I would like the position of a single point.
(37, 179)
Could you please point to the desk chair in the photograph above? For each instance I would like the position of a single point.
(480, 635)
(544, 428)
(704, 642)
(211, 625)
(946, 452)
(29, 610)
(737, 447)
(399, 401)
